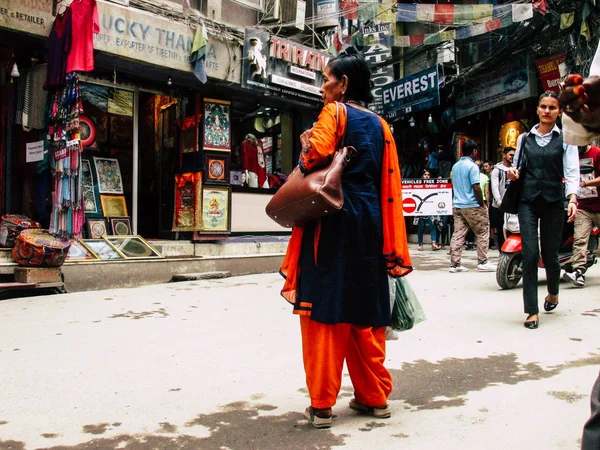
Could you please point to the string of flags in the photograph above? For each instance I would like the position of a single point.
(470, 20)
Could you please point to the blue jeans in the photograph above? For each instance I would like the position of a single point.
(421, 228)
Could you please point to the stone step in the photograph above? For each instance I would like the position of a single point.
(200, 276)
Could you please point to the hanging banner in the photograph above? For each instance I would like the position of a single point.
(513, 82)
(427, 197)
(380, 51)
(549, 73)
(282, 67)
(413, 93)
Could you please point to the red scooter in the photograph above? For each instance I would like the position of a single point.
(510, 264)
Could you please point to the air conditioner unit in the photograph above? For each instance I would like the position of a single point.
(272, 11)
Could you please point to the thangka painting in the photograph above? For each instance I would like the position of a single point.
(91, 202)
(215, 209)
(109, 175)
(188, 202)
(217, 125)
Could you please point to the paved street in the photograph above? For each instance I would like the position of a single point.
(217, 365)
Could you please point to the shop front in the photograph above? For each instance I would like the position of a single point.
(162, 155)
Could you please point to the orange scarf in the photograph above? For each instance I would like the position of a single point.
(322, 145)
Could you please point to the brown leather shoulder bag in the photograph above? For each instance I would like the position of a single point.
(319, 193)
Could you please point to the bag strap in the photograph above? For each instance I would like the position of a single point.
(521, 151)
(337, 124)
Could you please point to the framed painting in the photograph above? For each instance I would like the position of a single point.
(96, 228)
(134, 247)
(104, 249)
(91, 202)
(108, 175)
(120, 226)
(113, 205)
(236, 178)
(80, 253)
(216, 167)
(216, 203)
(217, 125)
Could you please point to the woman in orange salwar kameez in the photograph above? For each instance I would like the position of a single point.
(336, 267)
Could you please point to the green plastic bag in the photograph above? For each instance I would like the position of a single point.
(407, 310)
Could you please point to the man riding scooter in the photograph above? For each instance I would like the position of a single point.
(589, 212)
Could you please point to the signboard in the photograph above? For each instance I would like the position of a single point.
(513, 82)
(326, 13)
(34, 151)
(427, 197)
(133, 34)
(381, 37)
(549, 73)
(282, 67)
(413, 93)
(29, 16)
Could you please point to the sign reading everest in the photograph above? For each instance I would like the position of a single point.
(282, 67)
(413, 93)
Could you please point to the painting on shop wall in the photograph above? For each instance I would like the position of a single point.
(109, 175)
(217, 126)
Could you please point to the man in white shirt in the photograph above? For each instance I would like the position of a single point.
(498, 187)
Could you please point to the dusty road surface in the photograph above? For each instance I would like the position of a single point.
(217, 365)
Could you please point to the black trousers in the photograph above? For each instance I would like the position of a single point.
(550, 217)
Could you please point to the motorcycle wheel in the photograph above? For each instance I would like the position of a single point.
(509, 270)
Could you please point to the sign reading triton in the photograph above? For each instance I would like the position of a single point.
(413, 93)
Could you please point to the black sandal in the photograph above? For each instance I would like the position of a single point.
(549, 306)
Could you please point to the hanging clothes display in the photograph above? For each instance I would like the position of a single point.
(68, 213)
(58, 47)
(85, 23)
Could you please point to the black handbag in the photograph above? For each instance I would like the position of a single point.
(514, 190)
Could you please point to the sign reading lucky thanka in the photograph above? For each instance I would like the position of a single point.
(427, 197)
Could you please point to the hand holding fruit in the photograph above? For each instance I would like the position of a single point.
(580, 100)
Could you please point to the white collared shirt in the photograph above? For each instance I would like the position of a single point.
(570, 157)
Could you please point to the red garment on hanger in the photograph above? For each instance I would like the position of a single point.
(253, 160)
(85, 24)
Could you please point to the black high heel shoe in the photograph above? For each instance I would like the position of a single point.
(533, 324)
(549, 306)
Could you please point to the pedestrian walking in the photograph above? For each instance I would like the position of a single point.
(546, 160)
(498, 183)
(588, 211)
(337, 267)
(469, 211)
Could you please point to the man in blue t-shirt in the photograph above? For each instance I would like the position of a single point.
(470, 211)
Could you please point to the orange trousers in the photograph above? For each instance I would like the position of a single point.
(324, 348)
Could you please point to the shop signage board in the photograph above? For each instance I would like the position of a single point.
(549, 73)
(133, 34)
(412, 93)
(326, 13)
(427, 197)
(380, 51)
(513, 82)
(282, 67)
(29, 16)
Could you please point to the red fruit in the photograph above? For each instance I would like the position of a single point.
(579, 90)
(575, 79)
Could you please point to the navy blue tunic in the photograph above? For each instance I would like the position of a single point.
(348, 282)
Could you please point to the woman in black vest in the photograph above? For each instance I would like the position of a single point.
(546, 160)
